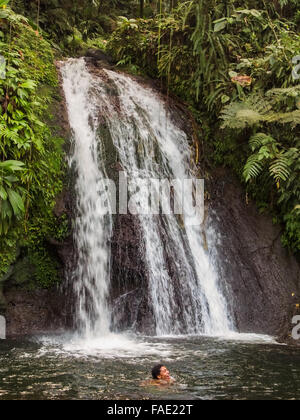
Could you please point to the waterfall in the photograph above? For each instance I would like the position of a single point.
(92, 224)
(184, 287)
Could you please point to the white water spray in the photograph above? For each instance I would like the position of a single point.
(92, 228)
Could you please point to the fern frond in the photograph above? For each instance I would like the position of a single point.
(252, 168)
(239, 116)
(281, 93)
(9, 134)
(245, 114)
(259, 140)
(280, 168)
(292, 118)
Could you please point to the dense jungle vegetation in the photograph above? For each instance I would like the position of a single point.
(234, 63)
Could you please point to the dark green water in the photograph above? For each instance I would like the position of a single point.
(205, 368)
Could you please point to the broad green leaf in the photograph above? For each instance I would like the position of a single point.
(12, 165)
(29, 84)
(16, 202)
(11, 178)
(6, 210)
(3, 193)
(220, 26)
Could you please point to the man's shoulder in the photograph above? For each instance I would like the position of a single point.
(157, 382)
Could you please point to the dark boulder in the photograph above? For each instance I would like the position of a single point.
(97, 55)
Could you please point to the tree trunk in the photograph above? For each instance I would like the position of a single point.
(141, 8)
(173, 4)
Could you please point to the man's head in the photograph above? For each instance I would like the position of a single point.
(160, 372)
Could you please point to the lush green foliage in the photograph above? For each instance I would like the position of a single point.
(74, 24)
(12, 205)
(71, 23)
(232, 61)
(31, 155)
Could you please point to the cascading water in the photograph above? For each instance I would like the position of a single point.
(92, 226)
(184, 291)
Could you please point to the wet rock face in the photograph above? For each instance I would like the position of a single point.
(98, 57)
(262, 278)
(35, 312)
(129, 278)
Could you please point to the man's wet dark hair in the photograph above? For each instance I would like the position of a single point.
(156, 371)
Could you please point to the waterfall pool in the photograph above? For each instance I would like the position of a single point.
(62, 367)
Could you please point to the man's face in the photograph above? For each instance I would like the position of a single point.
(164, 374)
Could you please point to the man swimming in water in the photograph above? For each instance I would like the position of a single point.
(161, 376)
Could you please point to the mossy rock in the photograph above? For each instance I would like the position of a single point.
(23, 273)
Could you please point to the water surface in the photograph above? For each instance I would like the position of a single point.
(113, 368)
